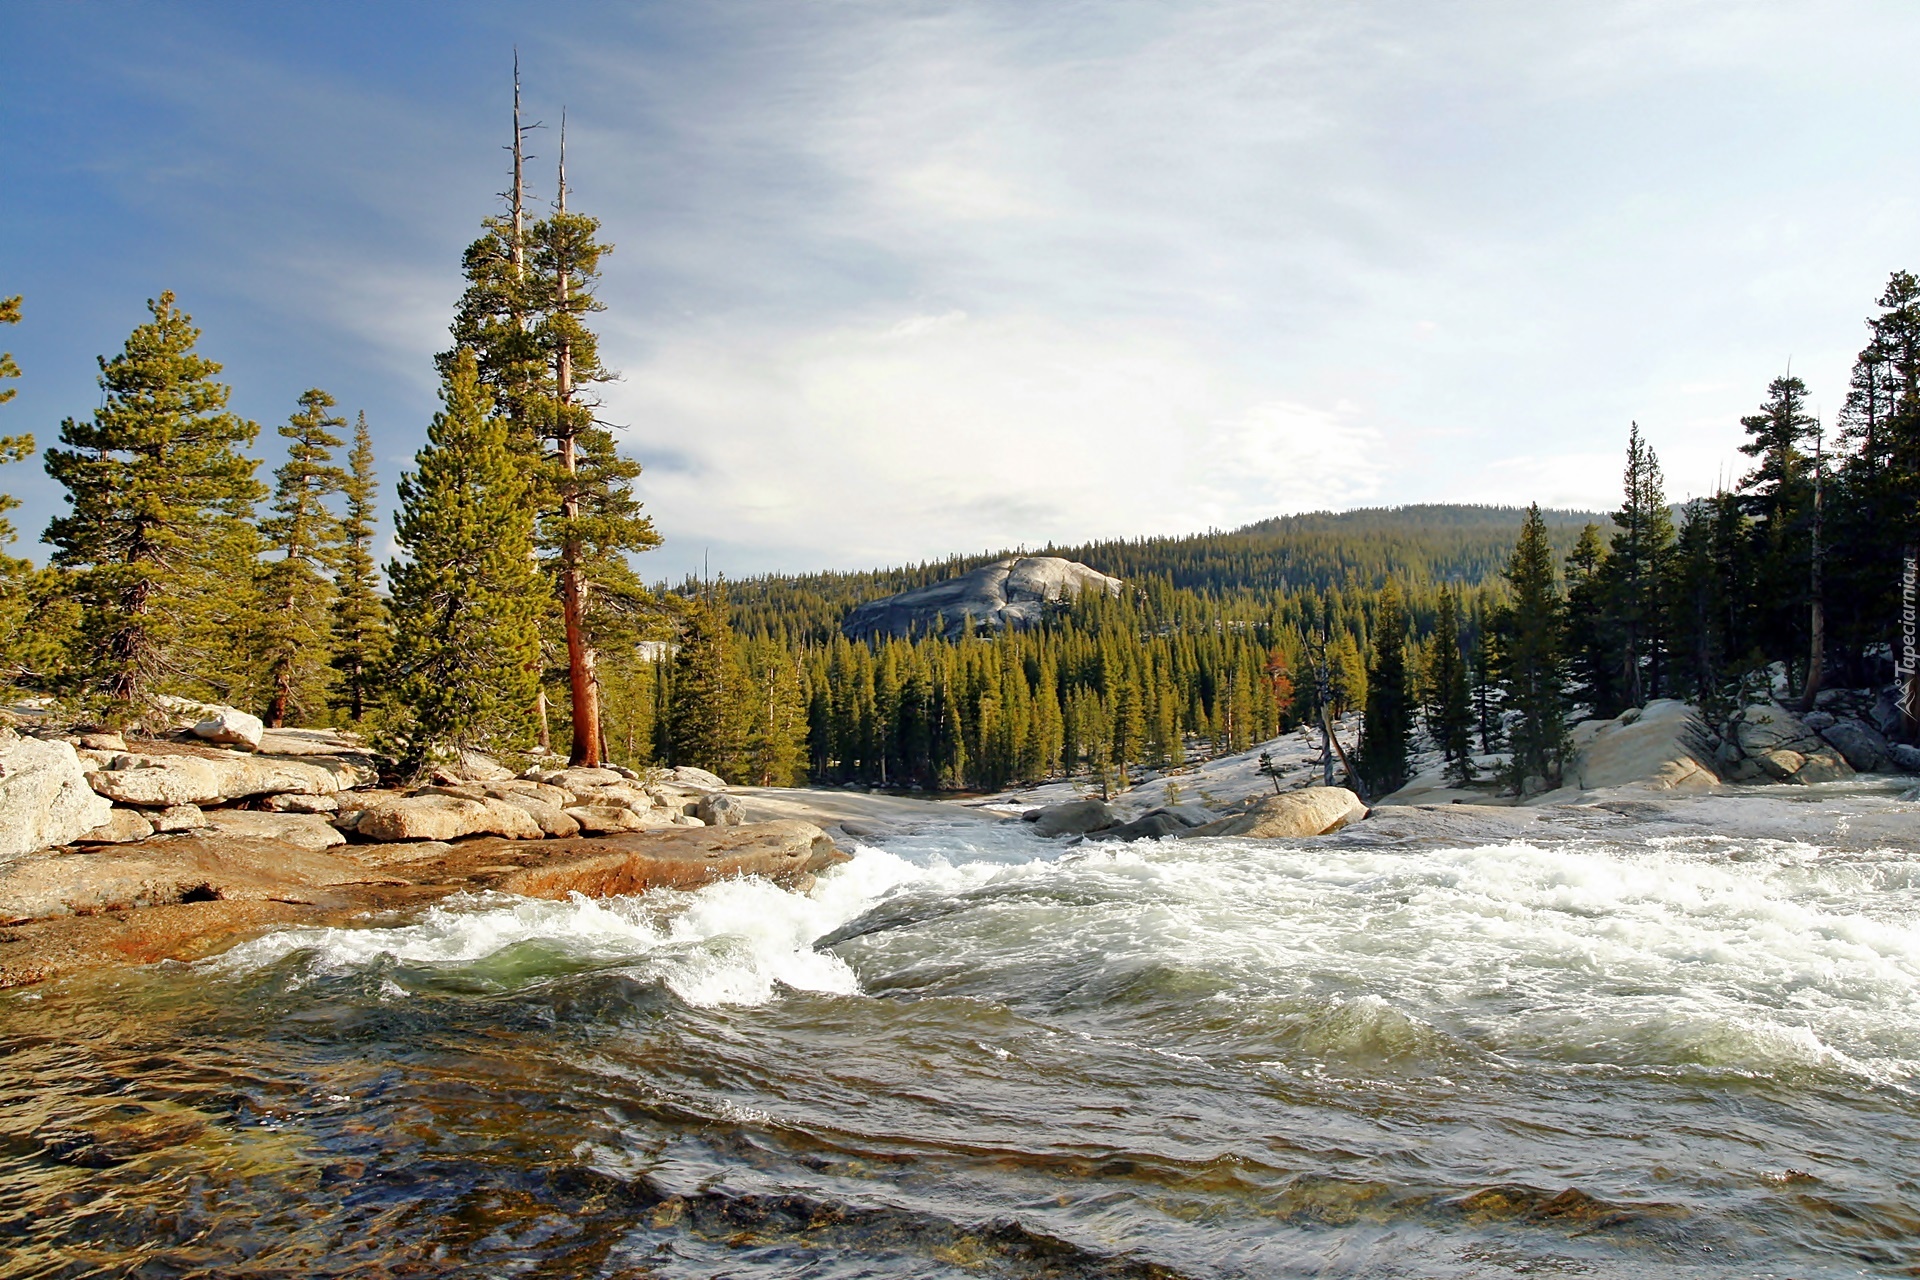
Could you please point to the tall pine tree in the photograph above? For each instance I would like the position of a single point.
(708, 704)
(1451, 719)
(359, 614)
(466, 601)
(296, 588)
(1386, 733)
(1530, 656)
(161, 502)
(592, 520)
(1632, 575)
(12, 448)
(1778, 496)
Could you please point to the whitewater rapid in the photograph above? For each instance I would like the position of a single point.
(1645, 1048)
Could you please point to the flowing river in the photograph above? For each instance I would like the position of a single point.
(1645, 1050)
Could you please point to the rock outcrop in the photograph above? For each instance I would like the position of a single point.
(675, 858)
(1650, 747)
(1310, 811)
(1015, 592)
(159, 781)
(183, 897)
(1766, 743)
(44, 796)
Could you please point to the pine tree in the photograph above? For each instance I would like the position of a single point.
(1530, 661)
(592, 520)
(776, 718)
(16, 575)
(1590, 641)
(467, 599)
(296, 590)
(1451, 720)
(1778, 496)
(359, 615)
(1484, 681)
(1631, 577)
(708, 706)
(1386, 733)
(12, 448)
(161, 500)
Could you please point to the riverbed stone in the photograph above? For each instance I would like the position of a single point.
(301, 804)
(609, 819)
(552, 819)
(44, 796)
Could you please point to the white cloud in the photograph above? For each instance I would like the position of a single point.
(906, 439)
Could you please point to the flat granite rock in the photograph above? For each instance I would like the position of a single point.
(184, 897)
(673, 858)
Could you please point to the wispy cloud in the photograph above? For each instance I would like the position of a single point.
(894, 280)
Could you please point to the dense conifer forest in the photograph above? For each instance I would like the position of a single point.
(517, 618)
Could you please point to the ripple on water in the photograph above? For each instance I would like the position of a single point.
(970, 1054)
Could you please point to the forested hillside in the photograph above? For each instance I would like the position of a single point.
(1461, 544)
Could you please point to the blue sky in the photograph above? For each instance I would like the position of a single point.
(893, 280)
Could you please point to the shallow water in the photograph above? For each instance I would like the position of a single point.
(973, 1053)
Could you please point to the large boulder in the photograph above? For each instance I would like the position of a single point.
(1648, 748)
(1860, 744)
(302, 830)
(438, 817)
(574, 779)
(1014, 592)
(1151, 825)
(552, 820)
(44, 796)
(721, 810)
(1310, 811)
(160, 781)
(1076, 818)
(1767, 743)
(230, 726)
(688, 778)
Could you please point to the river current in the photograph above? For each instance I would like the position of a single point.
(975, 1053)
